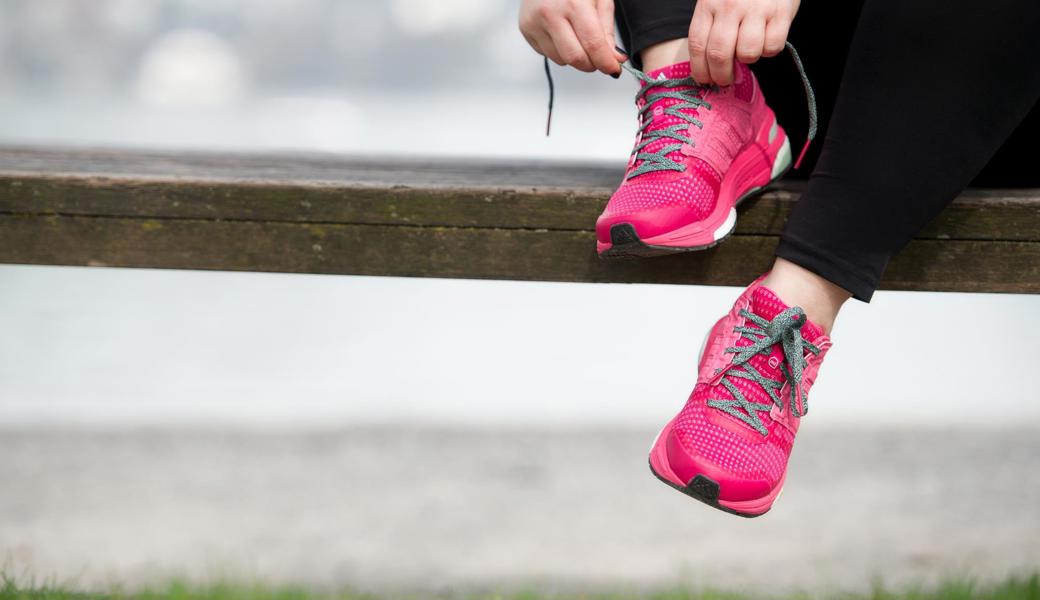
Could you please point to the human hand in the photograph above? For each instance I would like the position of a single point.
(579, 33)
(747, 30)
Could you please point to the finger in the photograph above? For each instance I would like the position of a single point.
(589, 29)
(541, 42)
(568, 47)
(776, 34)
(531, 42)
(605, 10)
(751, 39)
(700, 28)
(722, 42)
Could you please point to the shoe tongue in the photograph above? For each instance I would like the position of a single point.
(679, 70)
(768, 305)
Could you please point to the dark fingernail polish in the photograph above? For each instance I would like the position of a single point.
(616, 75)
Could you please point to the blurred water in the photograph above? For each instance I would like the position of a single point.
(481, 123)
(399, 77)
(113, 346)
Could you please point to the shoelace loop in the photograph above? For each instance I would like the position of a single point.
(810, 98)
(785, 330)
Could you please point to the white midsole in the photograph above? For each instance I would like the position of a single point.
(727, 225)
(783, 159)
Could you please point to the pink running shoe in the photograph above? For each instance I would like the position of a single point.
(699, 152)
(729, 446)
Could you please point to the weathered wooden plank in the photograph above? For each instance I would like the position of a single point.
(431, 218)
(280, 202)
(978, 215)
(314, 169)
(519, 254)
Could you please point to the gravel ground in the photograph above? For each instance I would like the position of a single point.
(429, 509)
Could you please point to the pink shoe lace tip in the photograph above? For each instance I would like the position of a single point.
(801, 155)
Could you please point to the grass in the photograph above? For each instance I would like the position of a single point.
(1013, 588)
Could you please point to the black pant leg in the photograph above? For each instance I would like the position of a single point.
(643, 23)
(931, 90)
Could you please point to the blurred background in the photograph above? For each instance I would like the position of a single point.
(392, 77)
(435, 434)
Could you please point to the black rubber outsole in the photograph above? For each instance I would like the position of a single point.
(625, 243)
(704, 489)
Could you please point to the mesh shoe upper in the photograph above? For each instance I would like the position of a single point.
(727, 443)
(693, 193)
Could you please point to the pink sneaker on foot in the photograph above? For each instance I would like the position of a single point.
(699, 152)
(729, 446)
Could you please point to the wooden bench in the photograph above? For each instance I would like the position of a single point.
(515, 220)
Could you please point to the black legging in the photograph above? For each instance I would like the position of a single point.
(930, 91)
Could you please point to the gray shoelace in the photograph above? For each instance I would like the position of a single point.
(689, 98)
(784, 329)
(688, 93)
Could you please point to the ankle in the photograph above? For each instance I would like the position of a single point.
(796, 286)
(664, 54)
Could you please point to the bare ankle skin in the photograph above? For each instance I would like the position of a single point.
(796, 286)
(665, 53)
